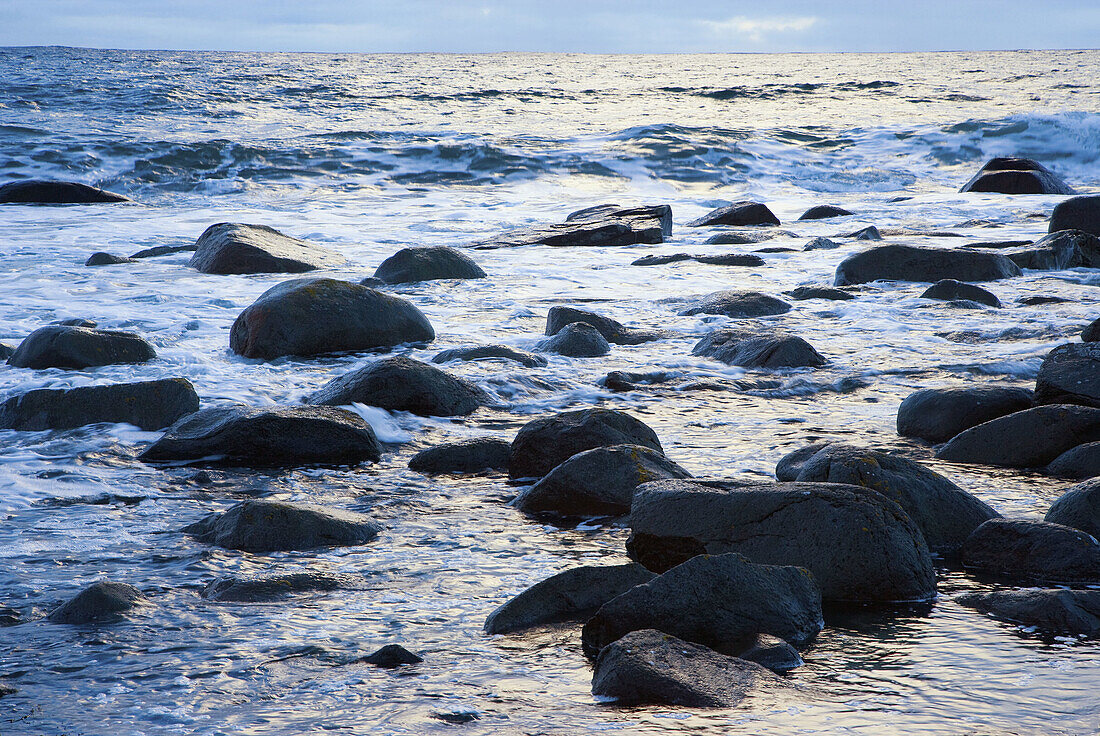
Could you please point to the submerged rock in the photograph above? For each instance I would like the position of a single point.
(232, 248)
(950, 290)
(1078, 213)
(101, 600)
(402, 384)
(823, 211)
(738, 213)
(819, 292)
(67, 346)
(576, 340)
(738, 304)
(1056, 611)
(392, 655)
(821, 244)
(427, 263)
(938, 414)
(543, 444)
(272, 587)
(728, 259)
(106, 259)
(467, 456)
(163, 250)
(745, 237)
(615, 332)
(1026, 439)
(1016, 176)
(149, 405)
(1078, 507)
(1033, 550)
(37, 191)
(758, 349)
(910, 263)
(1070, 374)
(868, 233)
(260, 525)
(604, 225)
(491, 352)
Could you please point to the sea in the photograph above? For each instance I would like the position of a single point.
(368, 154)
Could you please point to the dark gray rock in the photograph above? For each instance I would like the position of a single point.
(791, 464)
(35, 191)
(569, 595)
(1033, 551)
(738, 213)
(1025, 439)
(660, 212)
(427, 263)
(728, 259)
(392, 655)
(269, 588)
(1052, 611)
(1034, 301)
(910, 263)
(103, 600)
(64, 346)
(1078, 213)
(1091, 333)
(605, 225)
(260, 525)
(543, 444)
(615, 332)
(772, 652)
(106, 259)
(6, 351)
(868, 233)
(758, 349)
(950, 290)
(163, 250)
(316, 316)
(821, 244)
(255, 437)
(938, 414)
(75, 322)
(1070, 374)
(824, 211)
(629, 381)
(467, 456)
(743, 237)
(150, 405)
(1079, 462)
(818, 292)
(1078, 507)
(491, 352)
(1016, 176)
(1058, 250)
(738, 304)
(576, 340)
(231, 247)
(402, 384)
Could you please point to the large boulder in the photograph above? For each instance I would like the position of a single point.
(1058, 250)
(1033, 551)
(316, 316)
(269, 587)
(1070, 374)
(1078, 507)
(738, 213)
(824, 211)
(1030, 438)
(68, 346)
(597, 482)
(938, 414)
(604, 225)
(36, 191)
(615, 332)
(1016, 176)
(490, 352)
(260, 525)
(543, 444)
(427, 263)
(149, 405)
(100, 600)
(231, 247)
(1078, 213)
(251, 437)
(1082, 461)
(738, 304)
(758, 349)
(911, 263)
(566, 596)
(576, 340)
(950, 290)
(402, 384)
(719, 601)
(860, 546)
(1052, 611)
(467, 456)
(945, 513)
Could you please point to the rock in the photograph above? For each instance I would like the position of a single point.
(910, 263)
(738, 304)
(1070, 374)
(1016, 176)
(1033, 550)
(1078, 213)
(402, 384)
(868, 233)
(775, 249)
(1078, 507)
(661, 212)
(100, 600)
(259, 525)
(35, 191)
(163, 250)
(728, 259)
(742, 237)
(6, 351)
(1026, 439)
(426, 263)
(662, 260)
(651, 668)
(576, 340)
(860, 546)
(738, 213)
(758, 349)
(823, 211)
(628, 381)
(278, 436)
(1091, 333)
(1053, 611)
(791, 464)
(938, 414)
(467, 456)
(75, 322)
(566, 596)
(230, 247)
(106, 259)
(821, 244)
(491, 352)
(392, 655)
(64, 346)
(543, 444)
(1058, 251)
(317, 316)
(772, 652)
(950, 290)
(945, 513)
(598, 482)
(1082, 461)
(1034, 301)
(720, 601)
(558, 317)
(605, 225)
(818, 292)
(150, 405)
(272, 587)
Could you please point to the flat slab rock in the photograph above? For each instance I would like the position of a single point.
(37, 191)
(427, 263)
(69, 346)
(728, 259)
(758, 349)
(604, 225)
(543, 444)
(235, 248)
(1052, 611)
(611, 330)
(150, 405)
(403, 384)
(911, 263)
(268, 526)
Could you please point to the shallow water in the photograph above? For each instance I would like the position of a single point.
(367, 154)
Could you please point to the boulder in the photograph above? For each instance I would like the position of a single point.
(391, 656)
(402, 384)
(150, 405)
(101, 600)
(1033, 551)
(660, 212)
(791, 464)
(1057, 251)
(260, 525)
(758, 349)
(491, 352)
(1016, 176)
(950, 290)
(1091, 333)
(938, 414)
(569, 595)
(868, 233)
(576, 340)
(821, 244)
(1030, 438)
(738, 213)
(910, 263)
(1052, 611)
(257, 437)
(35, 191)
(818, 292)
(824, 211)
(316, 316)
(427, 263)
(720, 601)
(1078, 507)
(543, 444)
(772, 652)
(106, 259)
(1082, 461)
(1078, 213)
(604, 225)
(65, 346)
(1070, 374)
(616, 332)
(467, 456)
(269, 588)
(860, 546)
(738, 304)
(596, 482)
(231, 247)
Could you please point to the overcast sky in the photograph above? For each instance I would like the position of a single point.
(627, 26)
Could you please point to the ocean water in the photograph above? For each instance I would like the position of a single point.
(367, 154)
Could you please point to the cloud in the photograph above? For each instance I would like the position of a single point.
(755, 29)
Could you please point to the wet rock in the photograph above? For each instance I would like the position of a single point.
(36, 191)
(149, 405)
(402, 384)
(391, 656)
(938, 414)
(1070, 374)
(596, 482)
(576, 340)
(1026, 439)
(744, 237)
(824, 211)
(758, 349)
(163, 250)
(75, 322)
(231, 247)
(910, 263)
(1033, 550)
(491, 352)
(868, 233)
(1016, 176)
(821, 244)
(775, 249)
(272, 587)
(860, 546)
(106, 259)
(1052, 611)
(628, 381)
(543, 444)
(467, 456)
(1091, 333)
(728, 259)
(950, 290)
(6, 351)
(738, 213)
(772, 652)
(662, 260)
(791, 464)
(569, 595)
(661, 212)
(818, 292)
(280, 436)
(604, 225)
(615, 332)
(1078, 507)
(99, 601)
(261, 525)
(1035, 301)
(64, 346)
(1057, 251)
(738, 304)
(426, 263)
(1078, 213)
(316, 316)
(1082, 461)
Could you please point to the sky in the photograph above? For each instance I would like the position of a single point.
(592, 26)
